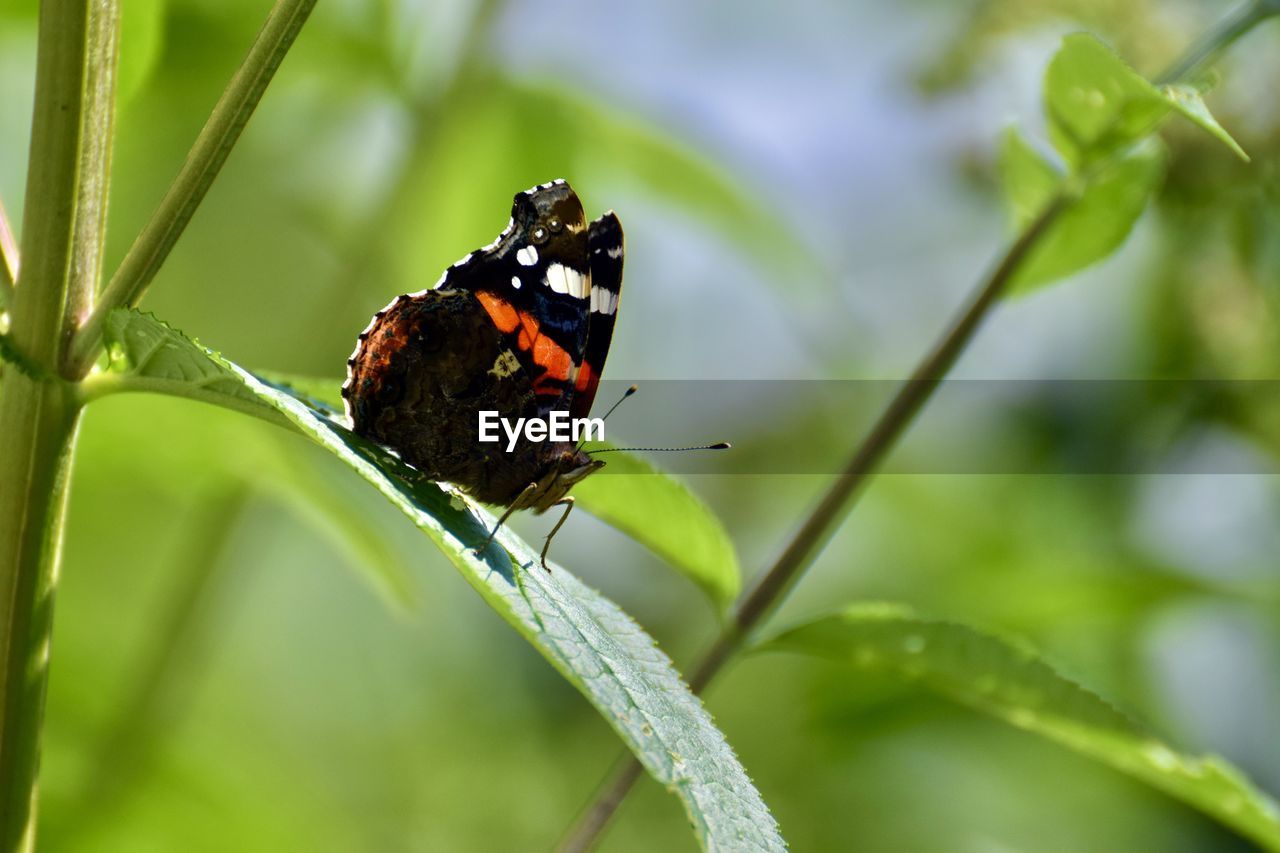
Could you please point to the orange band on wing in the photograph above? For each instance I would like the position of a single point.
(552, 358)
(586, 377)
(500, 311)
(528, 330)
(555, 362)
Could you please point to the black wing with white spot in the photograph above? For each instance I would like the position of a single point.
(604, 258)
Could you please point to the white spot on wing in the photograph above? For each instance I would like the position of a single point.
(615, 252)
(528, 256)
(603, 301)
(568, 281)
(515, 282)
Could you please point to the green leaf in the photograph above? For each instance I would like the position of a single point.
(151, 356)
(586, 637)
(319, 392)
(1029, 180)
(1009, 682)
(1098, 220)
(661, 513)
(1101, 114)
(1097, 105)
(1188, 101)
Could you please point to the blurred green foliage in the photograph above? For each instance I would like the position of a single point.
(221, 681)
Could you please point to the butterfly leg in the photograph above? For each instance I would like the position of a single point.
(506, 513)
(567, 503)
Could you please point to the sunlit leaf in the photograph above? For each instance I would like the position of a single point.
(1097, 105)
(155, 357)
(587, 638)
(662, 514)
(317, 391)
(1101, 114)
(1188, 101)
(1098, 219)
(1029, 180)
(1008, 681)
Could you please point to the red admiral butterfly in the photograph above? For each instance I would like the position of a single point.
(521, 327)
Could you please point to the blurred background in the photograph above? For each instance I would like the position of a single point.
(252, 652)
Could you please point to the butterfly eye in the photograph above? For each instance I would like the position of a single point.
(539, 235)
(555, 225)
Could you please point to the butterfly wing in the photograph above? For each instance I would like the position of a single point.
(604, 259)
(534, 281)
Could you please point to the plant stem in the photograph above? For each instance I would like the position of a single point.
(206, 158)
(772, 586)
(62, 247)
(39, 429)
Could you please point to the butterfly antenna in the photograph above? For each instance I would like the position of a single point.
(720, 445)
(625, 394)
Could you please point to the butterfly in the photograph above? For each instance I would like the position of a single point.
(520, 327)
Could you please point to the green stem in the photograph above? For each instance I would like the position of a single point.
(206, 158)
(62, 248)
(771, 586)
(39, 427)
